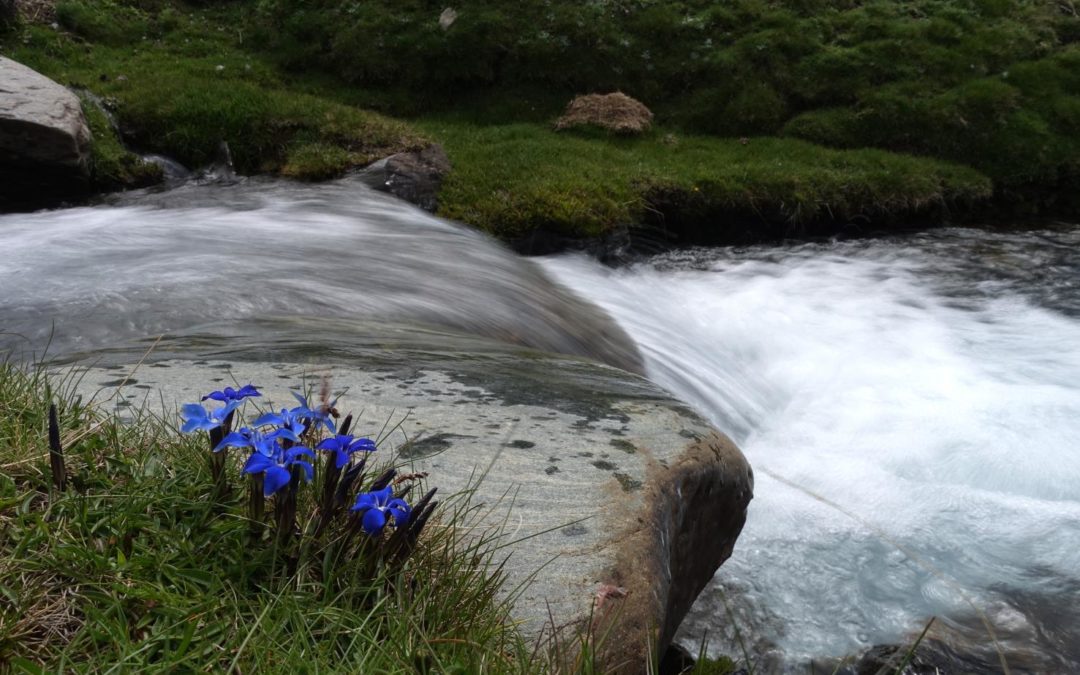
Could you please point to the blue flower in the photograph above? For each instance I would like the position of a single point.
(375, 507)
(316, 416)
(290, 423)
(229, 394)
(276, 468)
(345, 446)
(265, 444)
(197, 418)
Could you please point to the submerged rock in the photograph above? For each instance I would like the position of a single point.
(615, 503)
(44, 140)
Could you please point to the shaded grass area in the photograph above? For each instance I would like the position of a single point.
(989, 83)
(134, 568)
(179, 81)
(515, 178)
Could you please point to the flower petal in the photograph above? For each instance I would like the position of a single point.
(362, 444)
(268, 418)
(276, 478)
(296, 452)
(400, 513)
(309, 472)
(374, 521)
(341, 459)
(258, 463)
(234, 439)
(363, 502)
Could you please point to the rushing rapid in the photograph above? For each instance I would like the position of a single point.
(911, 405)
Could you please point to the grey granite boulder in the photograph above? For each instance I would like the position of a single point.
(44, 140)
(413, 176)
(615, 502)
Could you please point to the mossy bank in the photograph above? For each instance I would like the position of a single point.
(772, 119)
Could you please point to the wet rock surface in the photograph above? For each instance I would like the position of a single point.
(615, 502)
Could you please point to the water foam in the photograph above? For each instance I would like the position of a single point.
(914, 434)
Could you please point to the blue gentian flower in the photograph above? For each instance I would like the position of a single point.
(229, 394)
(344, 446)
(289, 421)
(375, 507)
(198, 418)
(276, 468)
(316, 416)
(265, 444)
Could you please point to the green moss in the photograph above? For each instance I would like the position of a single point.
(980, 82)
(193, 85)
(102, 21)
(112, 166)
(314, 161)
(511, 179)
(719, 666)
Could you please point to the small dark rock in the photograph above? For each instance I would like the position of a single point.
(415, 177)
(575, 530)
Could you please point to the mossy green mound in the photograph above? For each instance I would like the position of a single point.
(516, 178)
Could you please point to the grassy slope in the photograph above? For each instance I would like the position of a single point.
(134, 568)
(179, 81)
(990, 84)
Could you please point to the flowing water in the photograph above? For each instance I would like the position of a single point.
(911, 405)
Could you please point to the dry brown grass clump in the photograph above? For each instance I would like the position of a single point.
(616, 112)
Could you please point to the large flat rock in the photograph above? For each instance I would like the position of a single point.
(617, 502)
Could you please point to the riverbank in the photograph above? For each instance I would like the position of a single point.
(178, 79)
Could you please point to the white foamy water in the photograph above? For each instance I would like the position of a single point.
(913, 418)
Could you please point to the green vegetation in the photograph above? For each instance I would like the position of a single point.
(178, 82)
(135, 568)
(515, 178)
(991, 84)
(896, 98)
(112, 166)
(1001, 74)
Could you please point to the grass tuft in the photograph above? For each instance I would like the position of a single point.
(135, 568)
